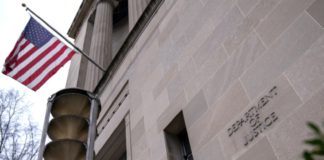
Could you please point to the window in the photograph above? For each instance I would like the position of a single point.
(178, 146)
(115, 147)
(114, 128)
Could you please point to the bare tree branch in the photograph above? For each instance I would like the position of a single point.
(18, 137)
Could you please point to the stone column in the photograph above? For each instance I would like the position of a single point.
(136, 8)
(128, 137)
(101, 43)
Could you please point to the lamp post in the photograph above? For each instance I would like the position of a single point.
(72, 129)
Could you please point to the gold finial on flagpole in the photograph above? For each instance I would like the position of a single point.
(24, 6)
(66, 40)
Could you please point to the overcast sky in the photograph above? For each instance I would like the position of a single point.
(13, 18)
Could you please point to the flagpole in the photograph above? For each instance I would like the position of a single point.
(66, 40)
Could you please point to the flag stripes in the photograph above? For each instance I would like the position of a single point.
(33, 67)
(51, 70)
(37, 56)
(14, 53)
(30, 59)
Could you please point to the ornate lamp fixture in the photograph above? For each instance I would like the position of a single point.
(72, 129)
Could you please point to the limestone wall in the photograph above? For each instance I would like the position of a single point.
(247, 75)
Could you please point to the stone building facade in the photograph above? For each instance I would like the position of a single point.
(202, 79)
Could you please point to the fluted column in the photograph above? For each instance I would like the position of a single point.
(136, 8)
(128, 137)
(101, 43)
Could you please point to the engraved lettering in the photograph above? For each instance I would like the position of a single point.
(268, 121)
(262, 102)
(230, 131)
(273, 92)
(273, 115)
(254, 119)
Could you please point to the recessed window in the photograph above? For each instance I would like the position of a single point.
(115, 146)
(176, 136)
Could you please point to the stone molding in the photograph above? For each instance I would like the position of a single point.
(85, 7)
(134, 34)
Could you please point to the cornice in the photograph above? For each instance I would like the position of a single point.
(78, 19)
(82, 13)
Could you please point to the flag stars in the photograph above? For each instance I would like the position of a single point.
(36, 33)
(41, 59)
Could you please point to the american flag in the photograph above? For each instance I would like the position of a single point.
(36, 57)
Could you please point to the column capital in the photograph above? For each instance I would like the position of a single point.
(113, 3)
